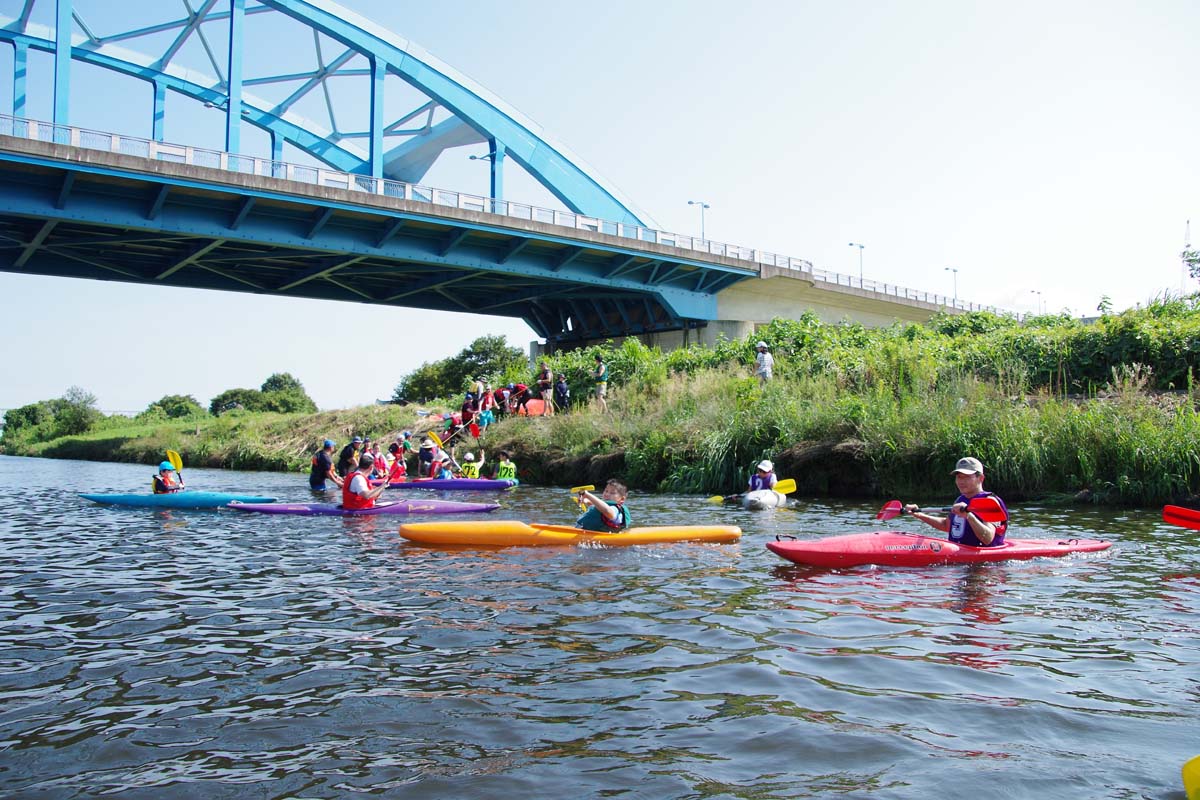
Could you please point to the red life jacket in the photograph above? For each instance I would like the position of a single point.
(352, 501)
(398, 470)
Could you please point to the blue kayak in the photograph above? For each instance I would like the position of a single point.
(176, 499)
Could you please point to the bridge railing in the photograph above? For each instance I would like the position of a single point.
(21, 127)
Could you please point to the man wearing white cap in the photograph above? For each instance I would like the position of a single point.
(963, 524)
(764, 476)
(764, 364)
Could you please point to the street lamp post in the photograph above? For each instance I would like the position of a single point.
(860, 270)
(1040, 304)
(703, 205)
(955, 271)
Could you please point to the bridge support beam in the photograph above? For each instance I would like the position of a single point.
(62, 63)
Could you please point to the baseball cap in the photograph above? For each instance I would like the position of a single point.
(761, 344)
(329, 443)
(356, 440)
(766, 466)
(968, 466)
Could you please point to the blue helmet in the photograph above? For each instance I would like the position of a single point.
(165, 465)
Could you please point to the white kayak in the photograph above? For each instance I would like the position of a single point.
(763, 498)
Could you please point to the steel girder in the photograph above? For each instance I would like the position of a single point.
(477, 115)
(90, 220)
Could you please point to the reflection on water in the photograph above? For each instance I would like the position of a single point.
(164, 654)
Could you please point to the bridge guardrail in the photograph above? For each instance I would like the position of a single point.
(21, 127)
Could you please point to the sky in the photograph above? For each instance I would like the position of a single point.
(1045, 151)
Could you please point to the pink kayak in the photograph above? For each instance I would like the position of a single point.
(900, 549)
(335, 510)
(470, 484)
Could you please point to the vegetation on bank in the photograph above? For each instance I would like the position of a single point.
(1053, 406)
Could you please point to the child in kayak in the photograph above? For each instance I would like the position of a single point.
(607, 513)
(167, 481)
(964, 526)
(470, 467)
(764, 477)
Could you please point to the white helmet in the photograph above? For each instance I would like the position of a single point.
(469, 457)
(766, 466)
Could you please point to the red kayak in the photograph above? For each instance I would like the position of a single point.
(899, 549)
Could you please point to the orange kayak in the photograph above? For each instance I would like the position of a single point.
(512, 533)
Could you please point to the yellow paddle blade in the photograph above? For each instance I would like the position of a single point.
(786, 486)
(175, 460)
(1191, 778)
(578, 489)
(436, 439)
(717, 498)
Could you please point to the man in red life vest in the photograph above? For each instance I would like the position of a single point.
(356, 491)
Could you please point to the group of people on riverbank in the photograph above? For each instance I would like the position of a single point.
(430, 460)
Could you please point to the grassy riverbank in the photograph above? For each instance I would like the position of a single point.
(1055, 409)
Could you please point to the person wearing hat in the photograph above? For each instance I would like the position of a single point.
(764, 364)
(470, 467)
(964, 526)
(429, 459)
(356, 491)
(167, 481)
(348, 458)
(764, 477)
(322, 468)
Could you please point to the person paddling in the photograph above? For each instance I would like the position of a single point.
(506, 470)
(470, 467)
(356, 491)
(167, 481)
(964, 526)
(607, 513)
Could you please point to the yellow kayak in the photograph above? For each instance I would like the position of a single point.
(511, 533)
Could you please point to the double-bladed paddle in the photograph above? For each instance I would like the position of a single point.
(785, 486)
(987, 509)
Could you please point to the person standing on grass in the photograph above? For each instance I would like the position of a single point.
(764, 364)
(600, 380)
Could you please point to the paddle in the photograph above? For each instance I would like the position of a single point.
(785, 486)
(177, 463)
(987, 509)
(578, 490)
(1191, 778)
(1184, 518)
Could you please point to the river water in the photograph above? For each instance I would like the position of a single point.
(205, 654)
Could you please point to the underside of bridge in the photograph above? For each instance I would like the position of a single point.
(90, 220)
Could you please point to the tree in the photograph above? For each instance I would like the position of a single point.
(77, 412)
(176, 406)
(1191, 260)
(487, 357)
(283, 393)
(249, 399)
(281, 382)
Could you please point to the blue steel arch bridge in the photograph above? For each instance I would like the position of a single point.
(332, 205)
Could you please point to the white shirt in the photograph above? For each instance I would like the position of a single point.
(765, 363)
(359, 485)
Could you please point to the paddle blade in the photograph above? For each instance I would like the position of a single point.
(435, 438)
(1184, 518)
(1191, 773)
(474, 430)
(987, 509)
(716, 498)
(890, 510)
(578, 489)
(175, 460)
(785, 486)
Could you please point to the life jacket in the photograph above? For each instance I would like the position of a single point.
(469, 469)
(161, 485)
(507, 470)
(352, 501)
(592, 517)
(398, 469)
(487, 402)
(757, 482)
(960, 529)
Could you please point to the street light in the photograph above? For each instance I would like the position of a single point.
(955, 271)
(1040, 304)
(703, 205)
(860, 272)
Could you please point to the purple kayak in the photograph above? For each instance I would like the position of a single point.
(472, 484)
(335, 510)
